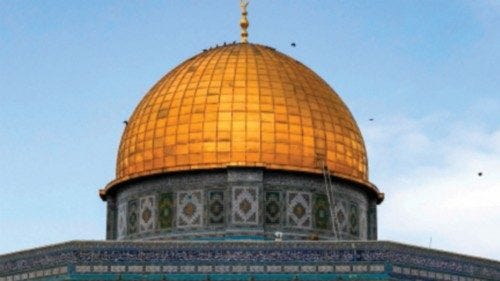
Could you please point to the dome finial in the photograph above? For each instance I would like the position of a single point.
(244, 21)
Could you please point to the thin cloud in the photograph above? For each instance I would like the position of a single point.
(434, 189)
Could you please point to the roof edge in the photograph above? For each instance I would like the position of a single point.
(114, 184)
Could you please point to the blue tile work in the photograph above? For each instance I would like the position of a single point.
(239, 202)
(243, 260)
(321, 211)
(272, 208)
(165, 210)
(132, 216)
(216, 207)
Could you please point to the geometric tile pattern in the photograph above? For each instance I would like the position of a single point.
(272, 212)
(299, 209)
(245, 205)
(341, 218)
(132, 217)
(166, 210)
(241, 269)
(108, 260)
(147, 213)
(253, 200)
(190, 208)
(353, 219)
(321, 211)
(216, 207)
(236, 268)
(48, 273)
(122, 220)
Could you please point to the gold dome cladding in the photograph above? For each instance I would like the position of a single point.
(241, 105)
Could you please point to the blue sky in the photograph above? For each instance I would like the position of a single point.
(427, 72)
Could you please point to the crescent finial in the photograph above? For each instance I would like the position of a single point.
(244, 21)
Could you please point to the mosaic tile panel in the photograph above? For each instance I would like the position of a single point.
(353, 219)
(363, 224)
(190, 208)
(92, 258)
(147, 218)
(341, 219)
(117, 268)
(245, 205)
(46, 274)
(372, 221)
(132, 217)
(166, 210)
(152, 268)
(272, 212)
(216, 207)
(111, 217)
(277, 183)
(321, 211)
(299, 209)
(122, 220)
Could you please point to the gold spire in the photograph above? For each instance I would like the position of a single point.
(244, 21)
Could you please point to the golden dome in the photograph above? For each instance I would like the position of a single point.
(241, 105)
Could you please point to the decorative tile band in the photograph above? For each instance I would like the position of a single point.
(183, 206)
(95, 270)
(226, 269)
(246, 257)
(235, 268)
(49, 272)
(432, 275)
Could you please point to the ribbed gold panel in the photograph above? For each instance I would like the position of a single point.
(241, 105)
